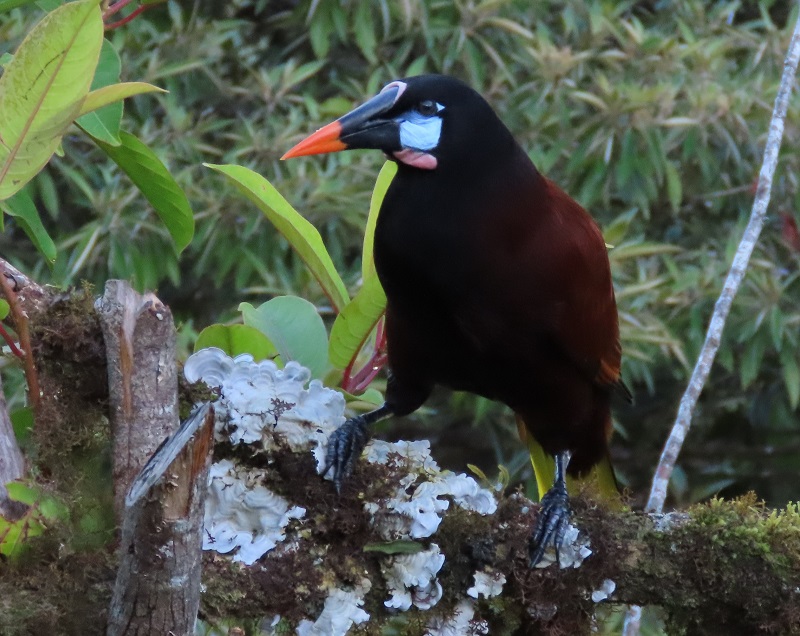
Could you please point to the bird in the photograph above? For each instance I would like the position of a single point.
(497, 283)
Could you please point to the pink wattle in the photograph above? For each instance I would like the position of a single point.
(416, 158)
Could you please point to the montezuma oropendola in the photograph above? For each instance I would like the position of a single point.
(497, 282)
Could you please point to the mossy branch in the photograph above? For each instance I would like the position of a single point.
(722, 567)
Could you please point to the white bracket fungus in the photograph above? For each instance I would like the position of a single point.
(411, 579)
(487, 584)
(342, 610)
(243, 515)
(574, 550)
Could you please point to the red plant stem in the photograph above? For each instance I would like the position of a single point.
(21, 325)
(125, 20)
(360, 380)
(10, 341)
(115, 8)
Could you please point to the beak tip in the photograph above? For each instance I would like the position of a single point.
(325, 140)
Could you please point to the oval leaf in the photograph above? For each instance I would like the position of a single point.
(235, 340)
(293, 325)
(156, 184)
(43, 87)
(302, 236)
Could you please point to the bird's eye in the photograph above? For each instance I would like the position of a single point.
(427, 107)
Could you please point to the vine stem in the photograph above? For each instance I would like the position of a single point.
(21, 325)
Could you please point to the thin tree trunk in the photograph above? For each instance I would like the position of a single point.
(12, 463)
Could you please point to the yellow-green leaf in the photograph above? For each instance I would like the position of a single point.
(116, 92)
(105, 122)
(302, 236)
(355, 322)
(674, 187)
(382, 183)
(43, 87)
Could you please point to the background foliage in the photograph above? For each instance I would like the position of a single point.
(652, 114)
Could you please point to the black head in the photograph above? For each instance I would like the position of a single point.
(427, 122)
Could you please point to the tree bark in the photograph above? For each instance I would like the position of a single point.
(142, 379)
(159, 484)
(12, 463)
(157, 590)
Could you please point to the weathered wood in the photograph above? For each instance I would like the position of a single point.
(140, 347)
(12, 463)
(157, 590)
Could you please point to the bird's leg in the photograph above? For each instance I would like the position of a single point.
(347, 442)
(554, 514)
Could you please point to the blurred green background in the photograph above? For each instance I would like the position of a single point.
(652, 114)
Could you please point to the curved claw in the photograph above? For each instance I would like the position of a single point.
(551, 524)
(344, 449)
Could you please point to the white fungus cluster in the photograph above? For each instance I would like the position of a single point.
(342, 610)
(574, 550)
(263, 405)
(487, 584)
(415, 511)
(411, 579)
(460, 623)
(423, 494)
(242, 515)
(605, 590)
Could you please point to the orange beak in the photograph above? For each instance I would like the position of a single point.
(326, 139)
(363, 127)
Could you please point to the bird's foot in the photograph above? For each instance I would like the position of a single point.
(344, 449)
(551, 523)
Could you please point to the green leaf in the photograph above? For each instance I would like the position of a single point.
(22, 423)
(636, 250)
(302, 236)
(42, 509)
(5, 59)
(104, 124)
(294, 326)
(791, 376)
(42, 89)
(4, 308)
(382, 183)
(102, 97)
(156, 184)
(7, 5)
(365, 31)
(776, 323)
(21, 207)
(401, 546)
(674, 187)
(615, 231)
(235, 340)
(354, 324)
(23, 493)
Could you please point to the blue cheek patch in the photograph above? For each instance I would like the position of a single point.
(420, 132)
